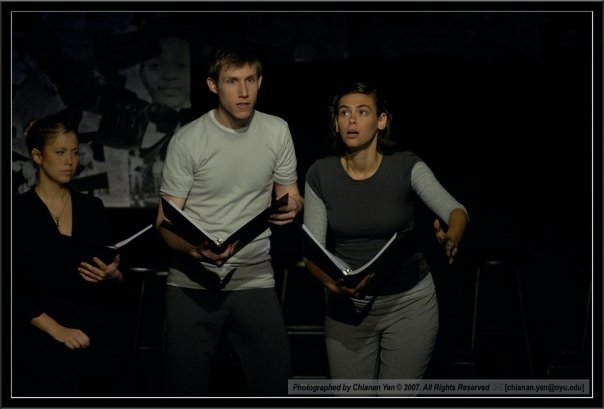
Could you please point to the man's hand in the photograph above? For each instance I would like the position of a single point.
(287, 214)
(204, 253)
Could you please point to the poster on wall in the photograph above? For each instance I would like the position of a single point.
(123, 80)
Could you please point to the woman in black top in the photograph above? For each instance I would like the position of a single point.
(62, 341)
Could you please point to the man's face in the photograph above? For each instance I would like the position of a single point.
(168, 77)
(237, 90)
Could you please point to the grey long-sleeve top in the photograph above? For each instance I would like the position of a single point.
(355, 218)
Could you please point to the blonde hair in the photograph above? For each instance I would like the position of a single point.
(39, 132)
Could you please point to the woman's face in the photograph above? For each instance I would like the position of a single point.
(60, 158)
(358, 122)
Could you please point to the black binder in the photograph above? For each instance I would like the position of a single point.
(180, 224)
(84, 251)
(390, 257)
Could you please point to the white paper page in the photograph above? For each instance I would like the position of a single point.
(129, 239)
(342, 265)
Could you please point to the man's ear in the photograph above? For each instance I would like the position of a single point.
(259, 81)
(212, 85)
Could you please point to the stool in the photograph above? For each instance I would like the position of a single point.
(149, 321)
(492, 331)
(306, 330)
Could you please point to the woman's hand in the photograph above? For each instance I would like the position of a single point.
(448, 243)
(72, 338)
(349, 291)
(101, 271)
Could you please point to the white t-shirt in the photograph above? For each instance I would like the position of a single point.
(227, 178)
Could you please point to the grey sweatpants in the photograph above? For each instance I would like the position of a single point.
(395, 340)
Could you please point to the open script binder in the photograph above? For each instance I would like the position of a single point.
(85, 251)
(389, 256)
(182, 225)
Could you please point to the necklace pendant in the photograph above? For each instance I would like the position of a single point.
(57, 220)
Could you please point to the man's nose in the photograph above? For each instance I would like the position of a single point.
(243, 90)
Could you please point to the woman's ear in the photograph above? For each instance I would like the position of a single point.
(382, 121)
(36, 156)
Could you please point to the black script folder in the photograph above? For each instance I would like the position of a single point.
(85, 251)
(182, 225)
(388, 259)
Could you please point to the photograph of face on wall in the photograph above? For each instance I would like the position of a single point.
(127, 79)
(122, 78)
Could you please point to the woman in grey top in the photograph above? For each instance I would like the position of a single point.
(355, 201)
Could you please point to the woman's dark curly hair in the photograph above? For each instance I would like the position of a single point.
(385, 141)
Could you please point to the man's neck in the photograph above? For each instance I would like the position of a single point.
(228, 121)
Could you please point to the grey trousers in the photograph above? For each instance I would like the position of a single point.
(395, 340)
(251, 320)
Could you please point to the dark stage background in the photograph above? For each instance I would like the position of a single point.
(499, 105)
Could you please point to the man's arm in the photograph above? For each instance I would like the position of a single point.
(294, 206)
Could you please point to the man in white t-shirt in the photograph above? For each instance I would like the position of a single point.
(222, 169)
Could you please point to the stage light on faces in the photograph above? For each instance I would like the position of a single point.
(357, 120)
(237, 91)
(60, 158)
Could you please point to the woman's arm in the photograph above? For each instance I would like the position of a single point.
(451, 238)
(445, 206)
(72, 338)
(315, 219)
